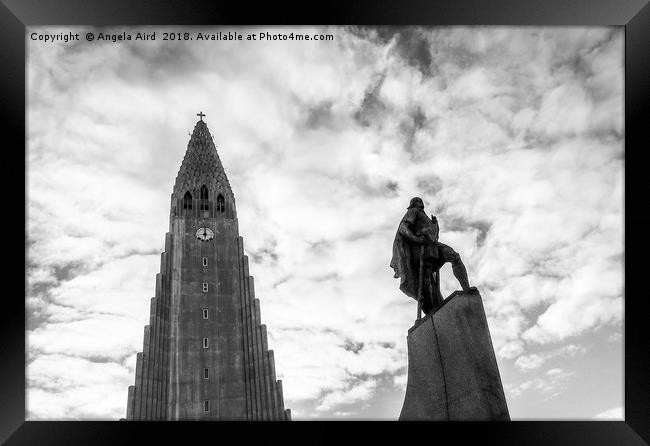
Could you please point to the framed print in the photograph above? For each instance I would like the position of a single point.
(367, 213)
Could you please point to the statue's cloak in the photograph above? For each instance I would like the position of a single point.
(403, 265)
(406, 254)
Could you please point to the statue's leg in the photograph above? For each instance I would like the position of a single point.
(438, 300)
(427, 287)
(457, 266)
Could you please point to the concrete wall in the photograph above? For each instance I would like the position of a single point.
(452, 369)
(169, 372)
(224, 359)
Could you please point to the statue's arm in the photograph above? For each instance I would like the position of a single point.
(406, 232)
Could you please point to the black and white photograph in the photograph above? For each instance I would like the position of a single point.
(325, 223)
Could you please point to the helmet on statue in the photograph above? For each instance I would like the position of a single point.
(416, 202)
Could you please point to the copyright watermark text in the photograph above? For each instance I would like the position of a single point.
(200, 36)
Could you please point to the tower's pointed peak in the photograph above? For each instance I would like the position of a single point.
(201, 134)
(201, 164)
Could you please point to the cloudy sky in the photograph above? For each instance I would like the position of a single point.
(513, 136)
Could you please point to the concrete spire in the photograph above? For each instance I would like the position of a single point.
(205, 354)
(201, 164)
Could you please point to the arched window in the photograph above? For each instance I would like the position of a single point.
(204, 198)
(187, 200)
(221, 205)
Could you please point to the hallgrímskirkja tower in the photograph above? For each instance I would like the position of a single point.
(205, 354)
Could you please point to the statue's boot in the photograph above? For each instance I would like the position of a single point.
(426, 306)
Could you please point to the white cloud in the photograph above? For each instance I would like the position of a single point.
(548, 385)
(591, 298)
(530, 362)
(400, 381)
(615, 337)
(67, 387)
(356, 393)
(615, 413)
(102, 336)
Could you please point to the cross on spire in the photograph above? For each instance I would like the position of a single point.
(200, 115)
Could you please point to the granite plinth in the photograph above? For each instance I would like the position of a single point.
(452, 369)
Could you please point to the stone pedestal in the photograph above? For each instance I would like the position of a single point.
(452, 370)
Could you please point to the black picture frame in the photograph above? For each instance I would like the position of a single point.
(634, 15)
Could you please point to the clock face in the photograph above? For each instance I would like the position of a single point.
(204, 234)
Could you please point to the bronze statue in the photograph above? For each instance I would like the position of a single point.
(418, 256)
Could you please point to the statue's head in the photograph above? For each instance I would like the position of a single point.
(416, 202)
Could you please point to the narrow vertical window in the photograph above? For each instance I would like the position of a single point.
(206, 373)
(205, 342)
(221, 206)
(187, 200)
(206, 406)
(205, 261)
(204, 198)
(205, 313)
(205, 287)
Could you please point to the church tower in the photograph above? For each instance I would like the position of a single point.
(205, 353)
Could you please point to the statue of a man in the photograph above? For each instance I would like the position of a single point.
(417, 242)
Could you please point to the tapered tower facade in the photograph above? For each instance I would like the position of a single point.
(205, 354)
